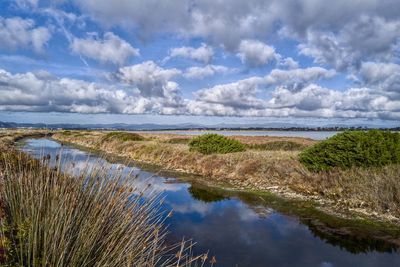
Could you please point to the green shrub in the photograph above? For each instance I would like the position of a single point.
(353, 148)
(278, 145)
(123, 136)
(215, 143)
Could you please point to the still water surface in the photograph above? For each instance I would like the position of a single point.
(239, 229)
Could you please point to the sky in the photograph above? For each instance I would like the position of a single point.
(210, 61)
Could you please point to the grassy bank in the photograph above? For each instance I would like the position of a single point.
(268, 163)
(50, 218)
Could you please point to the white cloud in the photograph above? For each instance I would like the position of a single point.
(289, 63)
(255, 53)
(43, 92)
(208, 70)
(296, 79)
(27, 3)
(110, 49)
(240, 94)
(367, 38)
(383, 76)
(17, 33)
(241, 97)
(311, 101)
(204, 53)
(227, 22)
(149, 78)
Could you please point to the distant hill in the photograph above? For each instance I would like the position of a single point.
(184, 126)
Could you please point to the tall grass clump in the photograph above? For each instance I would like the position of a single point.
(92, 219)
(374, 148)
(122, 136)
(215, 143)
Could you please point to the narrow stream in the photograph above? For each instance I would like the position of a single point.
(241, 229)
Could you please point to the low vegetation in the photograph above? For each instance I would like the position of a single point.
(278, 145)
(215, 143)
(353, 149)
(122, 136)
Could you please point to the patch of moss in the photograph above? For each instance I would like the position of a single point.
(374, 148)
(215, 143)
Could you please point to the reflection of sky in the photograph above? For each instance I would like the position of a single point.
(230, 229)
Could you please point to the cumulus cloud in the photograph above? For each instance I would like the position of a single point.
(318, 101)
(209, 70)
(27, 3)
(43, 92)
(150, 79)
(311, 101)
(17, 33)
(296, 79)
(204, 53)
(152, 17)
(110, 49)
(289, 63)
(255, 53)
(383, 76)
(227, 23)
(357, 38)
(241, 97)
(241, 94)
(368, 38)
(295, 95)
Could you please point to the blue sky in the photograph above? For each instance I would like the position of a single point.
(203, 61)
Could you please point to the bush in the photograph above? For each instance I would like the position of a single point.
(278, 145)
(123, 136)
(353, 148)
(215, 143)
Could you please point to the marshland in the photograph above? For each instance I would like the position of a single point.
(250, 201)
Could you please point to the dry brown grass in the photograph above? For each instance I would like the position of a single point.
(377, 189)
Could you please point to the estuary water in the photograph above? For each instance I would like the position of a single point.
(241, 229)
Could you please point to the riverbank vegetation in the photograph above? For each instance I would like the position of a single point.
(266, 165)
(50, 218)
